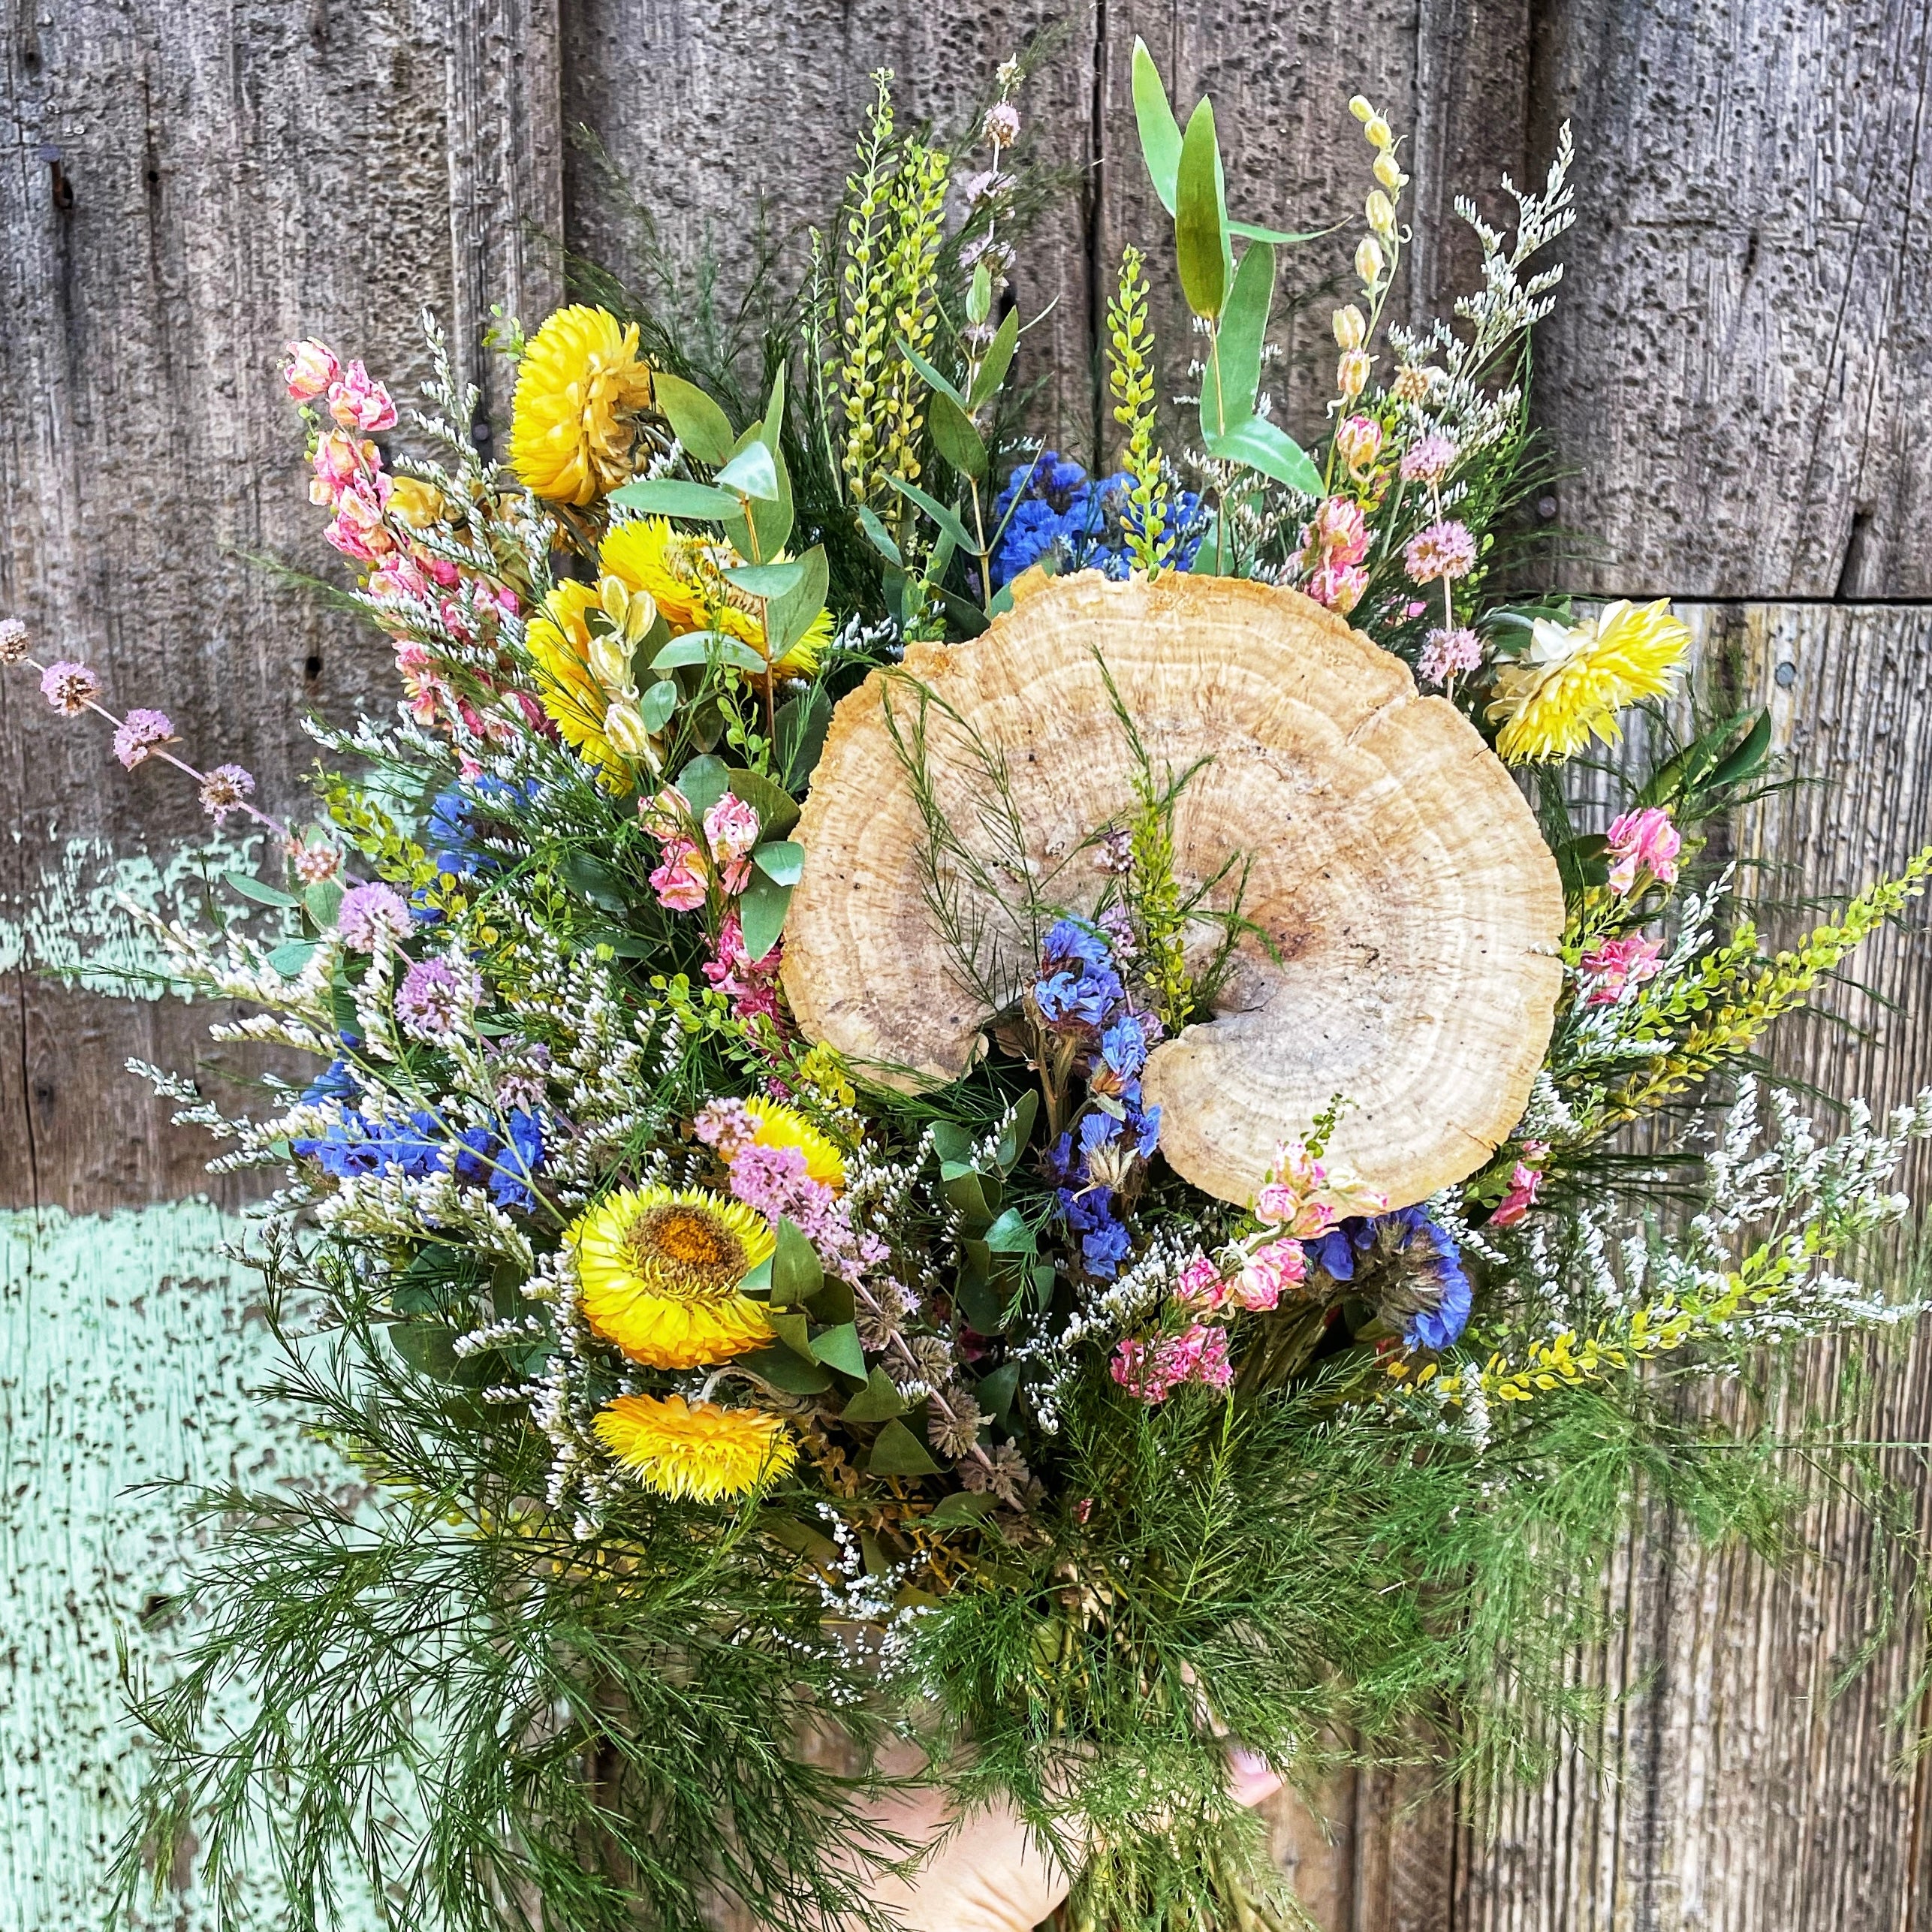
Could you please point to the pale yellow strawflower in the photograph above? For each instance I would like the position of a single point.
(580, 382)
(696, 1451)
(1569, 685)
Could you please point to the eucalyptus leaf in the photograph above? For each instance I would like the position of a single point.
(1159, 131)
(879, 1401)
(879, 536)
(655, 707)
(289, 959)
(777, 810)
(790, 615)
(322, 902)
(700, 425)
(947, 519)
(792, 1328)
(697, 647)
(998, 361)
(797, 1273)
(761, 911)
(259, 890)
(996, 1392)
(954, 436)
(896, 1451)
(1259, 445)
(795, 1374)
(703, 781)
(766, 580)
(782, 862)
(960, 1509)
(803, 722)
(1010, 1235)
(839, 1348)
(752, 472)
(669, 496)
(1201, 218)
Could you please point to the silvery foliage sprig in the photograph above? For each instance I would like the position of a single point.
(1508, 304)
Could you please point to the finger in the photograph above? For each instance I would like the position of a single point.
(1251, 1778)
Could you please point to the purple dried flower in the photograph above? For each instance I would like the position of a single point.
(137, 734)
(368, 911)
(1428, 460)
(69, 688)
(1444, 549)
(1002, 124)
(1445, 653)
(433, 997)
(13, 640)
(227, 789)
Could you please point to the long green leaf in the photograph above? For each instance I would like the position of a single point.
(954, 436)
(1201, 218)
(259, 890)
(1160, 132)
(1232, 382)
(1259, 445)
(934, 380)
(701, 647)
(998, 361)
(947, 519)
(668, 496)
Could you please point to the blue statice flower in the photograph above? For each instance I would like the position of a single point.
(1124, 1047)
(1068, 939)
(1078, 999)
(1062, 518)
(417, 1148)
(1406, 1266)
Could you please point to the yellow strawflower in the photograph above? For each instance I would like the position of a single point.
(698, 1452)
(778, 1125)
(559, 641)
(685, 576)
(1569, 685)
(659, 1269)
(580, 382)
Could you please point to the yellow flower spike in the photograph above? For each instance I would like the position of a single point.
(580, 382)
(1571, 684)
(696, 1452)
(782, 1126)
(659, 1269)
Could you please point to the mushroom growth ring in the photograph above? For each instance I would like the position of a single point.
(1403, 912)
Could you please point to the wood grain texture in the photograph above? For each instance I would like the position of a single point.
(1731, 1789)
(184, 189)
(1739, 369)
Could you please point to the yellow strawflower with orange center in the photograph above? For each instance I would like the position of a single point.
(659, 1270)
(580, 382)
(1569, 685)
(695, 1452)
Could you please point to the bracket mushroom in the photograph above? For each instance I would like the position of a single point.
(1402, 911)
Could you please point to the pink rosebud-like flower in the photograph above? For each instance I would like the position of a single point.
(1446, 653)
(1428, 460)
(137, 734)
(368, 913)
(1521, 1197)
(1201, 1282)
(1340, 590)
(69, 688)
(731, 829)
(1644, 841)
(1339, 532)
(679, 880)
(1268, 1274)
(341, 461)
(358, 530)
(357, 403)
(398, 576)
(1613, 965)
(1357, 442)
(311, 368)
(225, 789)
(1444, 549)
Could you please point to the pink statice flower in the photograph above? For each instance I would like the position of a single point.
(228, 788)
(1644, 841)
(435, 997)
(1445, 654)
(1357, 442)
(1340, 590)
(1428, 460)
(70, 688)
(1613, 966)
(357, 402)
(1443, 550)
(311, 368)
(1274, 1269)
(678, 879)
(368, 914)
(1414, 607)
(137, 734)
(731, 832)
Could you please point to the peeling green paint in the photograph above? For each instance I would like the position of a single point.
(76, 923)
(127, 1354)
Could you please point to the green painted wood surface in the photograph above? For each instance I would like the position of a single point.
(127, 1354)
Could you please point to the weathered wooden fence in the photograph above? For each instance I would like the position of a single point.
(1738, 386)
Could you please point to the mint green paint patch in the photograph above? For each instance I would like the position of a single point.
(78, 923)
(126, 1357)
